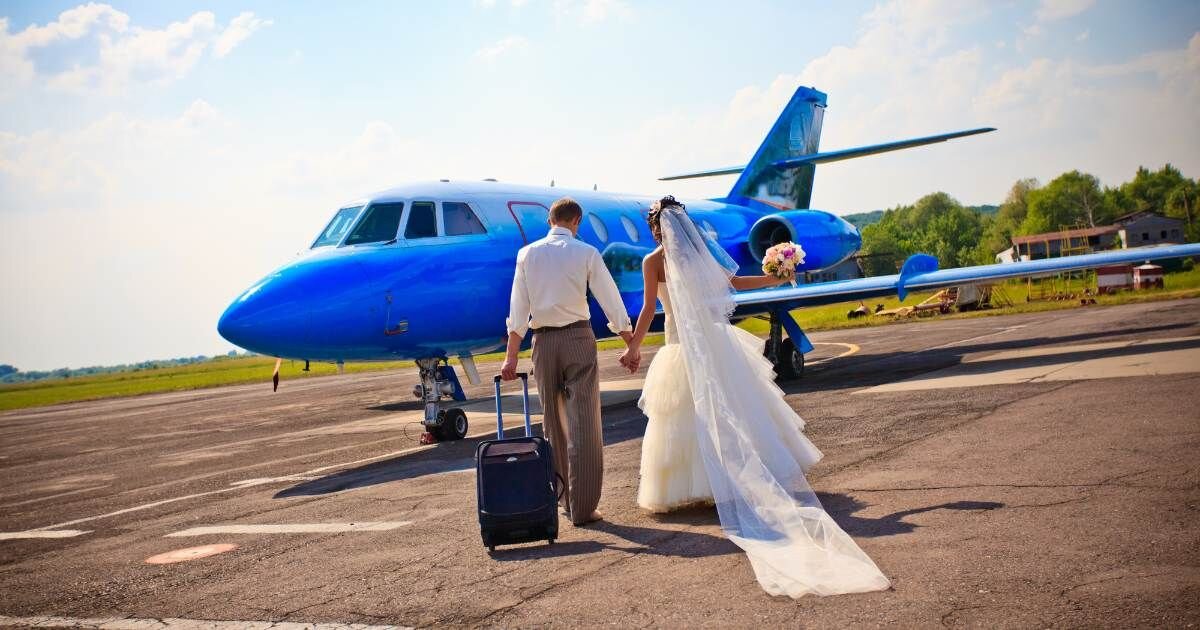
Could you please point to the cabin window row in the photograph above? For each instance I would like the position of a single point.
(380, 223)
(631, 228)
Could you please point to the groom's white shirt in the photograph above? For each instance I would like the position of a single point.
(551, 283)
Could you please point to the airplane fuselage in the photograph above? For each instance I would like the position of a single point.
(440, 295)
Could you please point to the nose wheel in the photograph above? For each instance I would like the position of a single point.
(438, 381)
(453, 425)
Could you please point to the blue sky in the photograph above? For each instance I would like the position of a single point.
(157, 157)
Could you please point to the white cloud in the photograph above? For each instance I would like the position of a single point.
(1051, 10)
(510, 44)
(1083, 36)
(592, 11)
(124, 54)
(909, 73)
(239, 29)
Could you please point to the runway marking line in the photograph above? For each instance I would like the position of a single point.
(250, 483)
(136, 623)
(292, 528)
(41, 533)
(851, 348)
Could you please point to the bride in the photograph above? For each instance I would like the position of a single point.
(719, 429)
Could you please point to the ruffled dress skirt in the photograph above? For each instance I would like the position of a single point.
(672, 470)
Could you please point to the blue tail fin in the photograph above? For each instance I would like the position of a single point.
(796, 133)
(780, 175)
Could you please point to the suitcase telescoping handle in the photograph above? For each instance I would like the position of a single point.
(524, 376)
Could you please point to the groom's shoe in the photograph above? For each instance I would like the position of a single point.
(592, 518)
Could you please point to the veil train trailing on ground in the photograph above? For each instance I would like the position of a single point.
(748, 435)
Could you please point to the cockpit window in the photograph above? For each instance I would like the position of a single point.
(338, 226)
(459, 219)
(422, 220)
(379, 224)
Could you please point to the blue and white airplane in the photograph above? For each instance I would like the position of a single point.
(423, 271)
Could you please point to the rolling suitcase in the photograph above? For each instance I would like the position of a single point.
(515, 484)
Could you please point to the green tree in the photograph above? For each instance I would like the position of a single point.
(999, 230)
(1148, 191)
(1069, 199)
(936, 224)
(1183, 202)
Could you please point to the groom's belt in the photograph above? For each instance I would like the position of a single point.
(583, 323)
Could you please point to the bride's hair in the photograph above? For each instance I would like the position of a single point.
(654, 217)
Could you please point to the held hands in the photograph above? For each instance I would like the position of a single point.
(631, 359)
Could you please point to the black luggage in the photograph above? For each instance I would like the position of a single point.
(515, 484)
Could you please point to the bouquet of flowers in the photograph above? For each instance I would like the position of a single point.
(781, 261)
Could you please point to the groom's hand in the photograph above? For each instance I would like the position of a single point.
(508, 371)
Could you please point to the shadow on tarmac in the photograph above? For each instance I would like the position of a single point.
(879, 369)
(842, 508)
(869, 370)
(443, 458)
(645, 540)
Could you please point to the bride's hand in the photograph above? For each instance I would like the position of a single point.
(631, 359)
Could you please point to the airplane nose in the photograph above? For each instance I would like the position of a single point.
(266, 318)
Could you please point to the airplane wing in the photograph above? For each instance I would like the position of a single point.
(920, 272)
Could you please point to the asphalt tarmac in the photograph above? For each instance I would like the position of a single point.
(1019, 471)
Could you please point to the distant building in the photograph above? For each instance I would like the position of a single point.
(848, 269)
(1147, 228)
(1053, 244)
(1137, 229)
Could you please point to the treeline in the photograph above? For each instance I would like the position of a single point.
(962, 235)
(10, 374)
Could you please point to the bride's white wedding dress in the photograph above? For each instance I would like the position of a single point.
(672, 474)
(720, 431)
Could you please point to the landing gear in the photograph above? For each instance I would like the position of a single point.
(438, 380)
(453, 425)
(787, 359)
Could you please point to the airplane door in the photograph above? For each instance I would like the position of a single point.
(531, 218)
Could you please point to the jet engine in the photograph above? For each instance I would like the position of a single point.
(826, 238)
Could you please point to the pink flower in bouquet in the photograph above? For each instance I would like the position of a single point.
(781, 261)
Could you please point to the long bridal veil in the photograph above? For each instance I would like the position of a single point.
(765, 504)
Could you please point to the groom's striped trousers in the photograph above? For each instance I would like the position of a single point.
(568, 381)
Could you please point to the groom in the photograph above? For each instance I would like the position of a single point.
(549, 295)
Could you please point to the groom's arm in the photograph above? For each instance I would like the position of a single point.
(604, 289)
(518, 321)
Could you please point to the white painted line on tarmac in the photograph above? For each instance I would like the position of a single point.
(54, 496)
(1006, 329)
(134, 623)
(1119, 359)
(38, 533)
(249, 483)
(292, 528)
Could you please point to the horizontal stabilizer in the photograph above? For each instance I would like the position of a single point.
(837, 156)
(729, 170)
(846, 154)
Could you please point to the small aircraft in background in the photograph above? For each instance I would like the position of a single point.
(423, 271)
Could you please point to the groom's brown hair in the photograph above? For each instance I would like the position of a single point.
(565, 210)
